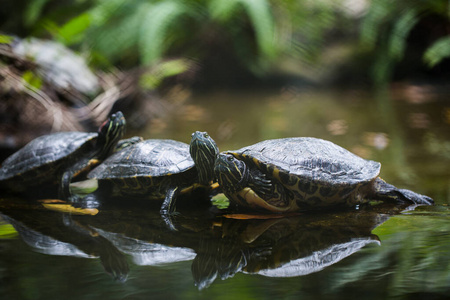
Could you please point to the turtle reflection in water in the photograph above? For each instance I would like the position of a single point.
(59, 235)
(291, 174)
(285, 246)
(220, 247)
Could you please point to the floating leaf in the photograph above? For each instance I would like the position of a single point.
(259, 216)
(84, 187)
(67, 208)
(220, 201)
(7, 231)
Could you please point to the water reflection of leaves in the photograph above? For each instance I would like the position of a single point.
(413, 257)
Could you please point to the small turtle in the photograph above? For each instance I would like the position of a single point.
(291, 174)
(60, 156)
(153, 169)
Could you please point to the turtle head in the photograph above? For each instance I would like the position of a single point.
(204, 150)
(231, 173)
(110, 132)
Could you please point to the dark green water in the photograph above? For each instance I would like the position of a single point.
(373, 253)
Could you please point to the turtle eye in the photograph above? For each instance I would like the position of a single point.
(205, 135)
(229, 157)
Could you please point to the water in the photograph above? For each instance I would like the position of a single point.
(381, 251)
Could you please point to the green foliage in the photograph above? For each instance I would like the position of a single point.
(33, 11)
(154, 33)
(386, 27)
(143, 32)
(152, 78)
(72, 32)
(438, 51)
(258, 32)
(259, 13)
(32, 79)
(5, 39)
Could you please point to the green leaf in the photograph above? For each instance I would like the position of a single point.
(32, 79)
(372, 23)
(104, 11)
(154, 32)
(33, 11)
(400, 32)
(222, 10)
(5, 39)
(263, 24)
(84, 187)
(72, 31)
(7, 231)
(220, 201)
(151, 80)
(437, 52)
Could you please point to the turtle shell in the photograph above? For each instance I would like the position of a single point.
(150, 158)
(310, 160)
(46, 154)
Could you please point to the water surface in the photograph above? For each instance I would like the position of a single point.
(378, 251)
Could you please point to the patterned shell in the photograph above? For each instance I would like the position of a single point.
(145, 159)
(44, 150)
(312, 160)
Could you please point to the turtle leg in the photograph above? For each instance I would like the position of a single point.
(168, 206)
(64, 188)
(385, 190)
(67, 176)
(259, 183)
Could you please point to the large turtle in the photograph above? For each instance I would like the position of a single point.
(153, 169)
(292, 174)
(58, 157)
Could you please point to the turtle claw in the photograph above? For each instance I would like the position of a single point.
(263, 185)
(167, 218)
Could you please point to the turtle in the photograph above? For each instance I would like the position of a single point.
(154, 169)
(303, 173)
(60, 156)
(204, 150)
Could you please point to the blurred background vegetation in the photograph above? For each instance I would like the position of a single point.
(147, 49)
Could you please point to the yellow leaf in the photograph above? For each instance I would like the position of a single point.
(67, 208)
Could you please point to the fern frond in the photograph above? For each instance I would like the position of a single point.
(372, 24)
(263, 24)
(73, 31)
(437, 52)
(153, 33)
(222, 10)
(105, 10)
(400, 32)
(33, 11)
